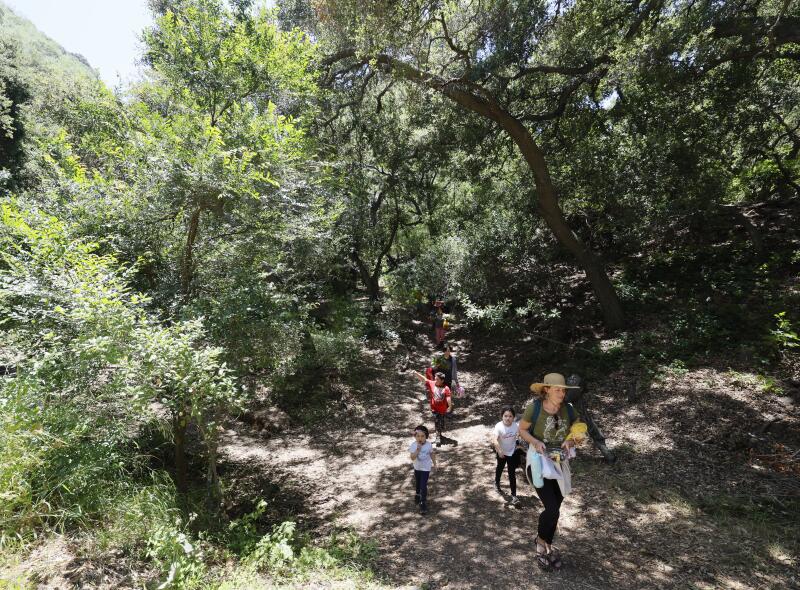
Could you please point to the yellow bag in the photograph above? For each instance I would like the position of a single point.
(577, 432)
(446, 324)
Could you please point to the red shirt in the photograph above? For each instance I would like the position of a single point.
(438, 396)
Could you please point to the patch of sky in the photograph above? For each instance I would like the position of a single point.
(105, 33)
(609, 101)
(486, 50)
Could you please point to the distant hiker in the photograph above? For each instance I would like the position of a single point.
(447, 364)
(433, 305)
(545, 425)
(441, 402)
(424, 459)
(504, 440)
(439, 323)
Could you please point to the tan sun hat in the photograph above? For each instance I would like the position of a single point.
(552, 380)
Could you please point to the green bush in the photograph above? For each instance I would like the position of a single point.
(784, 334)
(174, 550)
(490, 317)
(90, 361)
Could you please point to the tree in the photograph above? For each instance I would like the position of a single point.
(481, 56)
(13, 94)
(224, 70)
(534, 69)
(391, 159)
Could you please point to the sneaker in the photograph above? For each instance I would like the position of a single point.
(423, 508)
(514, 501)
(417, 499)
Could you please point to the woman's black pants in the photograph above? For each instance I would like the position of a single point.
(550, 495)
(511, 461)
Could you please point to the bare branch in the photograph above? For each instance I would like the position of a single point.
(461, 52)
(351, 103)
(564, 96)
(379, 98)
(563, 70)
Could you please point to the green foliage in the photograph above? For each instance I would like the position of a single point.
(172, 548)
(276, 550)
(285, 551)
(147, 505)
(242, 534)
(321, 358)
(217, 58)
(439, 268)
(227, 216)
(89, 360)
(13, 95)
(784, 334)
(490, 317)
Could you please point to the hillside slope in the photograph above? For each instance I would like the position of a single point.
(39, 53)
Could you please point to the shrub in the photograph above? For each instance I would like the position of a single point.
(90, 361)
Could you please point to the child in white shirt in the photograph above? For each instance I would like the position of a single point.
(424, 458)
(504, 440)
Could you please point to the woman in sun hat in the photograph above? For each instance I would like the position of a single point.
(546, 423)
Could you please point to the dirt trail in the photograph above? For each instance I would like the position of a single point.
(471, 537)
(358, 473)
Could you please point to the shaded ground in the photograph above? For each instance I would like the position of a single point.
(691, 503)
(705, 494)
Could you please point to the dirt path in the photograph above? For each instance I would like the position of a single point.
(620, 528)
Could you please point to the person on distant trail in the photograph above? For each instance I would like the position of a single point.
(441, 402)
(447, 364)
(545, 425)
(439, 325)
(504, 440)
(424, 458)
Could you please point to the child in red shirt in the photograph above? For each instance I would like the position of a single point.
(440, 399)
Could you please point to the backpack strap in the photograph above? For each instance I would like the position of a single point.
(571, 414)
(537, 409)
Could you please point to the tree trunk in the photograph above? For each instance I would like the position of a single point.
(477, 100)
(373, 286)
(554, 217)
(371, 280)
(213, 488)
(187, 264)
(179, 424)
(738, 216)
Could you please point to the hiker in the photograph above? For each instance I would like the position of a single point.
(441, 402)
(439, 323)
(504, 440)
(424, 459)
(446, 363)
(433, 306)
(545, 425)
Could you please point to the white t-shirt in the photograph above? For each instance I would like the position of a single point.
(424, 461)
(507, 436)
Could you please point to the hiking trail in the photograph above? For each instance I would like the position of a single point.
(357, 473)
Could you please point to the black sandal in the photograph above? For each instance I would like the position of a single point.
(555, 559)
(542, 558)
